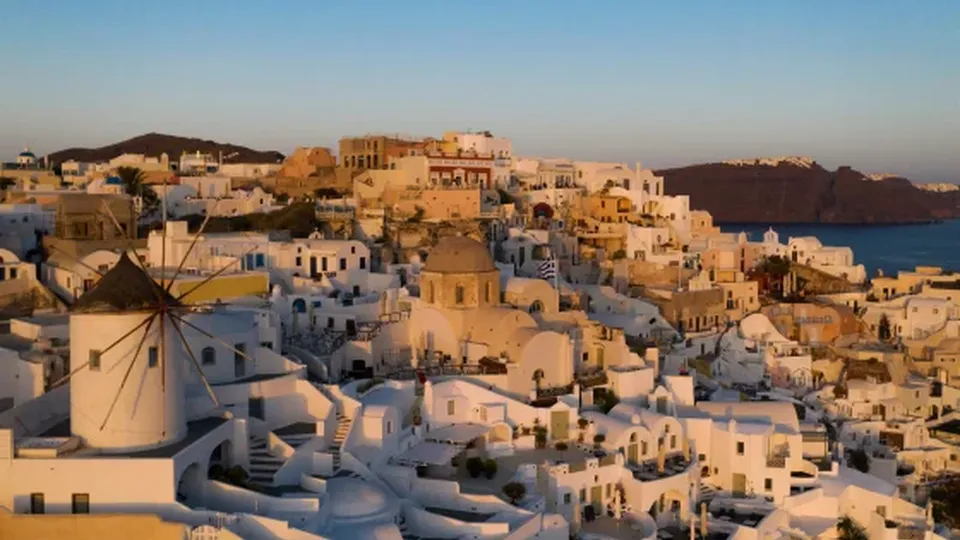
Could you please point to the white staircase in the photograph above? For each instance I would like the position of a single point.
(343, 428)
(296, 439)
(263, 465)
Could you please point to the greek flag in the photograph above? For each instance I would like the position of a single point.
(547, 269)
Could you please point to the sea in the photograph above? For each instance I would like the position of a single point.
(890, 248)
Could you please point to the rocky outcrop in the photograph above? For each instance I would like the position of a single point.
(155, 144)
(798, 190)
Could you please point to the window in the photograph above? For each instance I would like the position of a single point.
(153, 357)
(343, 264)
(363, 263)
(298, 262)
(323, 264)
(81, 503)
(239, 368)
(389, 427)
(94, 360)
(260, 260)
(768, 484)
(488, 291)
(208, 356)
(740, 448)
(459, 294)
(329, 322)
(451, 407)
(643, 447)
(583, 494)
(37, 505)
(353, 250)
(673, 442)
(566, 498)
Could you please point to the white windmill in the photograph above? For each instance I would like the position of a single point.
(119, 333)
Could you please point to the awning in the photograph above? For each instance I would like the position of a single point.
(429, 453)
(457, 433)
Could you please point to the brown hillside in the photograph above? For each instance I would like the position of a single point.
(154, 144)
(794, 193)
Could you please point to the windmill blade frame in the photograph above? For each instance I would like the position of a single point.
(76, 370)
(215, 274)
(77, 260)
(211, 336)
(193, 244)
(193, 359)
(126, 375)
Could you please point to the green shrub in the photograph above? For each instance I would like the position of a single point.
(475, 467)
(490, 468)
(515, 491)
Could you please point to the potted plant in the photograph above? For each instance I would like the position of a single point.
(515, 491)
(490, 468)
(598, 439)
(475, 467)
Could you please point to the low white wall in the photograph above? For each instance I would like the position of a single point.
(233, 499)
(426, 522)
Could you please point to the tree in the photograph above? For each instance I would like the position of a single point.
(946, 503)
(859, 460)
(848, 529)
(883, 328)
(133, 185)
(515, 491)
(490, 468)
(475, 467)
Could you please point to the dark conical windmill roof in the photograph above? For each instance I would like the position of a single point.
(126, 287)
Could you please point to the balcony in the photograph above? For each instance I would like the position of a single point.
(776, 462)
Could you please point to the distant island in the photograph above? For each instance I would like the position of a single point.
(799, 190)
(755, 190)
(155, 144)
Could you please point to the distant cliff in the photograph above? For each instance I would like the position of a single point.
(799, 190)
(154, 144)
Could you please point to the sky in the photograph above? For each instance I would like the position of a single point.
(873, 84)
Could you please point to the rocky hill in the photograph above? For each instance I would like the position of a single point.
(154, 144)
(799, 190)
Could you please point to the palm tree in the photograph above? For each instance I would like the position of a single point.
(848, 529)
(134, 185)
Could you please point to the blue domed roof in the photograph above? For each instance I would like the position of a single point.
(27, 153)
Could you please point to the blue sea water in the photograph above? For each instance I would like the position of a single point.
(887, 247)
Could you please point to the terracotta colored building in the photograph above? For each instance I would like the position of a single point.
(376, 151)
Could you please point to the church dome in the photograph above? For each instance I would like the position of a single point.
(126, 287)
(459, 255)
(27, 154)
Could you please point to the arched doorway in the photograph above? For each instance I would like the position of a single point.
(190, 486)
(221, 456)
(670, 507)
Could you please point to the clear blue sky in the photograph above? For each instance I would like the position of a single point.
(874, 84)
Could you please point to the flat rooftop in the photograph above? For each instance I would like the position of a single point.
(195, 430)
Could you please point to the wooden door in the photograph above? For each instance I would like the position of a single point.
(560, 425)
(739, 484)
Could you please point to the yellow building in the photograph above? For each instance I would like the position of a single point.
(93, 527)
(221, 288)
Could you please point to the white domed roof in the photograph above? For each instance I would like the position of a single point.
(353, 498)
(459, 255)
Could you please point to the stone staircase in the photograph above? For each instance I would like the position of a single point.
(263, 465)
(343, 428)
(296, 434)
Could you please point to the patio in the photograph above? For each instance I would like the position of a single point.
(507, 467)
(647, 471)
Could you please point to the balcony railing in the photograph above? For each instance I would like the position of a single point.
(776, 462)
